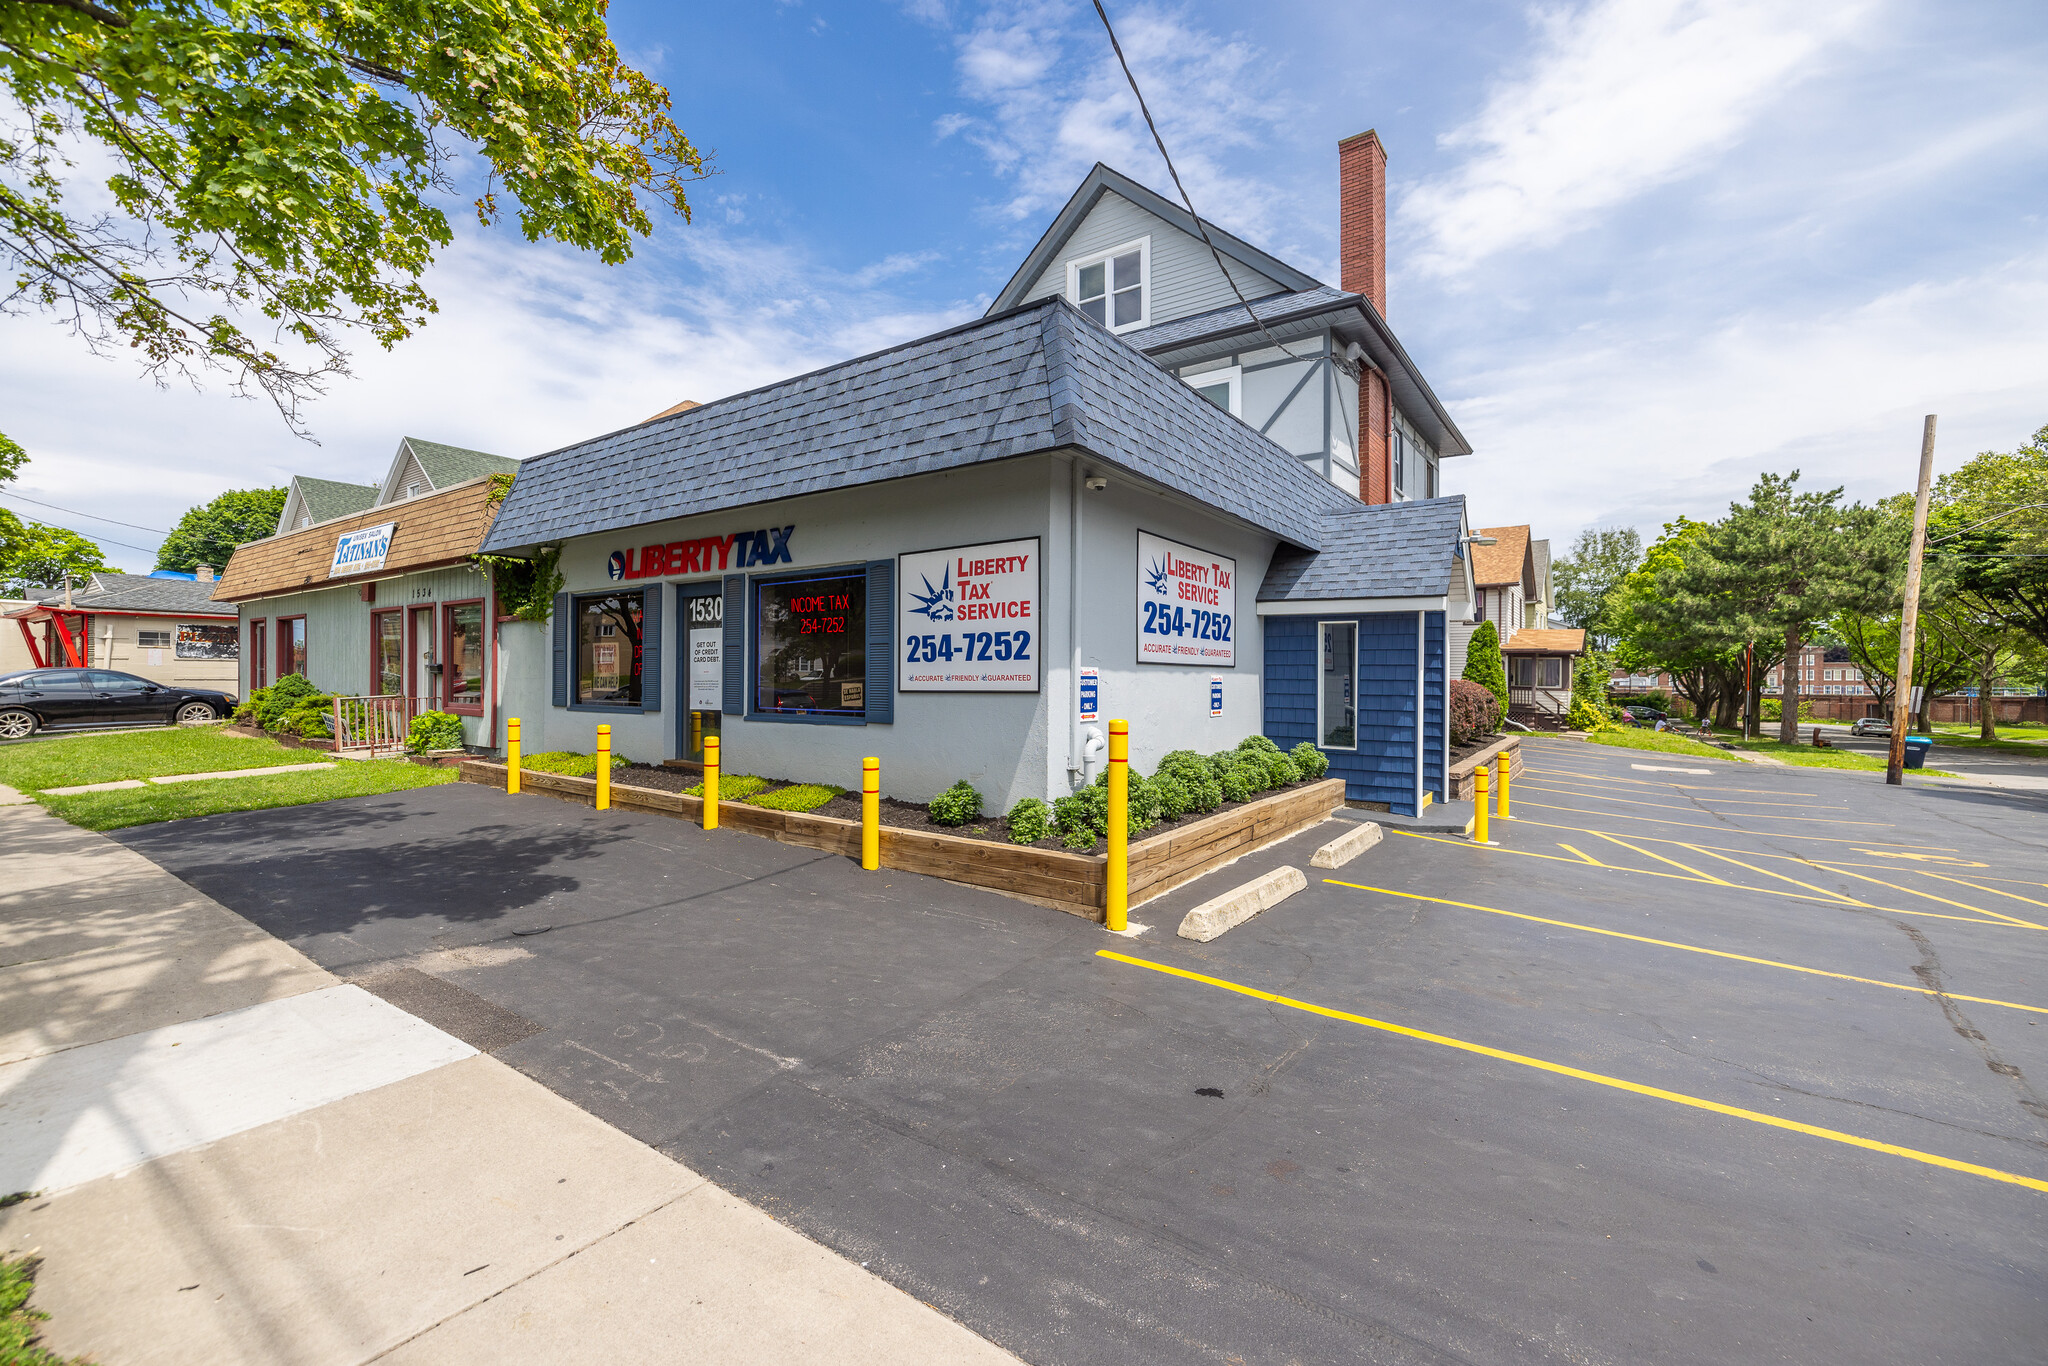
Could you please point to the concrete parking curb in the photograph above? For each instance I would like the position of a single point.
(1347, 846)
(1240, 904)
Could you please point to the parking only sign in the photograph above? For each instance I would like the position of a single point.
(1216, 694)
(1091, 695)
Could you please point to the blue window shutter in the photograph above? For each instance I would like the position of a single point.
(881, 644)
(735, 644)
(562, 663)
(650, 648)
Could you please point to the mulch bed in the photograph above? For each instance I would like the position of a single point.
(913, 815)
(1460, 753)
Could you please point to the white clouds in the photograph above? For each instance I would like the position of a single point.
(1636, 423)
(1619, 97)
(1052, 101)
(534, 347)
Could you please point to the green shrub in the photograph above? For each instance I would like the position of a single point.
(268, 706)
(1485, 665)
(1312, 762)
(1174, 801)
(732, 787)
(798, 797)
(567, 762)
(1257, 744)
(1081, 837)
(1029, 820)
(1237, 783)
(1587, 716)
(311, 719)
(439, 730)
(1070, 816)
(1281, 771)
(1195, 778)
(957, 805)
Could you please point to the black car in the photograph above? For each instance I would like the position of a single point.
(36, 698)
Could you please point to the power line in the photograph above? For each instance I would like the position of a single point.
(90, 517)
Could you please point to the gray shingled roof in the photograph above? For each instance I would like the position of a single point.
(447, 465)
(1039, 378)
(1393, 550)
(327, 499)
(1272, 310)
(110, 592)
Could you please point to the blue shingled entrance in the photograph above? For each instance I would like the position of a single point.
(1396, 674)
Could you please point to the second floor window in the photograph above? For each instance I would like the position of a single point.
(1111, 288)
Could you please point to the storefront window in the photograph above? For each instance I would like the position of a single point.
(812, 646)
(291, 646)
(387, 644)
(465, 654)
(1336, 699)
(608, 650)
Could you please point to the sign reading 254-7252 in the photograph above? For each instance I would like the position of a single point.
(1187, 604)
(968, 618)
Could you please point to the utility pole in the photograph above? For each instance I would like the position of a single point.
(1909, 615)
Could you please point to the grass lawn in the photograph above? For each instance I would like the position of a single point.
(72, 761)
(1661, 741)
(144, 805)
(1966, 737)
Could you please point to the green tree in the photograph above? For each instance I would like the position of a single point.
(1654, 632)
(1587, 579)
(1988, 536)
(208, 534)
(12, 458)
(1485, 665)
(275, 165)
(1780, 565)
(33, 555)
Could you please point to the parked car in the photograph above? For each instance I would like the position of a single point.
(1870, 725)
(1647, 716)
(39, 698)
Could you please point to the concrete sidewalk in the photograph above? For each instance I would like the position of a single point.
(244, 1159)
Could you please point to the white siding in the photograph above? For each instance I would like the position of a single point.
(1184, 277)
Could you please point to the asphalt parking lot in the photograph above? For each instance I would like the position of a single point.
(2003, 766)
(1703, 1062)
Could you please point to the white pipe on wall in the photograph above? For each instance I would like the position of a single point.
(1077, 757)
(1421, 633)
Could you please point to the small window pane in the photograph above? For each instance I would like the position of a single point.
(466, 654)
(1127, 271)
(608, 649)
(153, 640)
(1218, 394)
(390, 654)
(1336, 703)
(812, 650)
(1094, 309)
(1091, 281)
(1130, 307)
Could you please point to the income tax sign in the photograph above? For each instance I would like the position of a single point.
(1187, 604)
(969, 618)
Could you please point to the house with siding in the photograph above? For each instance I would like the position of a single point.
(384, 597)
(167, 630)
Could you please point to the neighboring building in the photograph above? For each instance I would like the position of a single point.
(14, 647)
(1319, 372)
(1539, 662)
(309, 500)
(964, 555)
(384, 601)
(419, 467)
(167, 630)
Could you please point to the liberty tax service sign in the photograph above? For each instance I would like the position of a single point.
(1187, 602)
(969, 618)
(361, 552)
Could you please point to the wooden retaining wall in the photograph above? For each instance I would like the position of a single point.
(1075, 883)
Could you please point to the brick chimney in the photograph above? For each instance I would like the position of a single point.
(203, 573)
(1362, 216)
(1362, 249)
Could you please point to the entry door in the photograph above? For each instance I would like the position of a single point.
(422, 683)
(259, 655)
(705, 685)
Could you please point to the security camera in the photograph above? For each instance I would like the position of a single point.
(1096, 483)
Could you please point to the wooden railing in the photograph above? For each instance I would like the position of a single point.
(374, 725)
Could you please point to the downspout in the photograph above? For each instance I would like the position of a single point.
(1077, 748)
(1421, 632)
(497, 664)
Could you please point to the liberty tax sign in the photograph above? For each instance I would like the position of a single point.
(969, 618)
(1187, 604)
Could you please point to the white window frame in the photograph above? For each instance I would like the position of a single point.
(1233, 375)
(1143, 246)
(1321, 729)
(1397, 460)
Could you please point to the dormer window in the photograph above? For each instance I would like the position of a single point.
(412, 490)
(306, 521)
(1114, 288)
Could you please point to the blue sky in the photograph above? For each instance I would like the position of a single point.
(1642, 250)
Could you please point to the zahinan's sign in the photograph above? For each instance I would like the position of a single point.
(969, 618)
(1187, 604)
(361, 552)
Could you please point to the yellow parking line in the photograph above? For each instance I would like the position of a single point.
(1848, 903)
(1724, 830)
(1599, 1079)
(1746, 815)
(1909, 891)
(1711, 853)
(1926, 872)
(1690, 948)
(1582, 854)
(1526, 785)
(1704, 877)
(1605, 779)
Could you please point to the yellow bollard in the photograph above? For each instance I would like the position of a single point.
(604, 768)
(1501, 770)
(1479, 805)
(1117, 914)
(871, 813)
(711, 782)
(512, 756)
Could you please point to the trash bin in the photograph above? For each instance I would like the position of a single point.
(1916, 750)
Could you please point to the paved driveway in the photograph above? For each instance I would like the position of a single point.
(1659, 1078)
(2000, 766)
